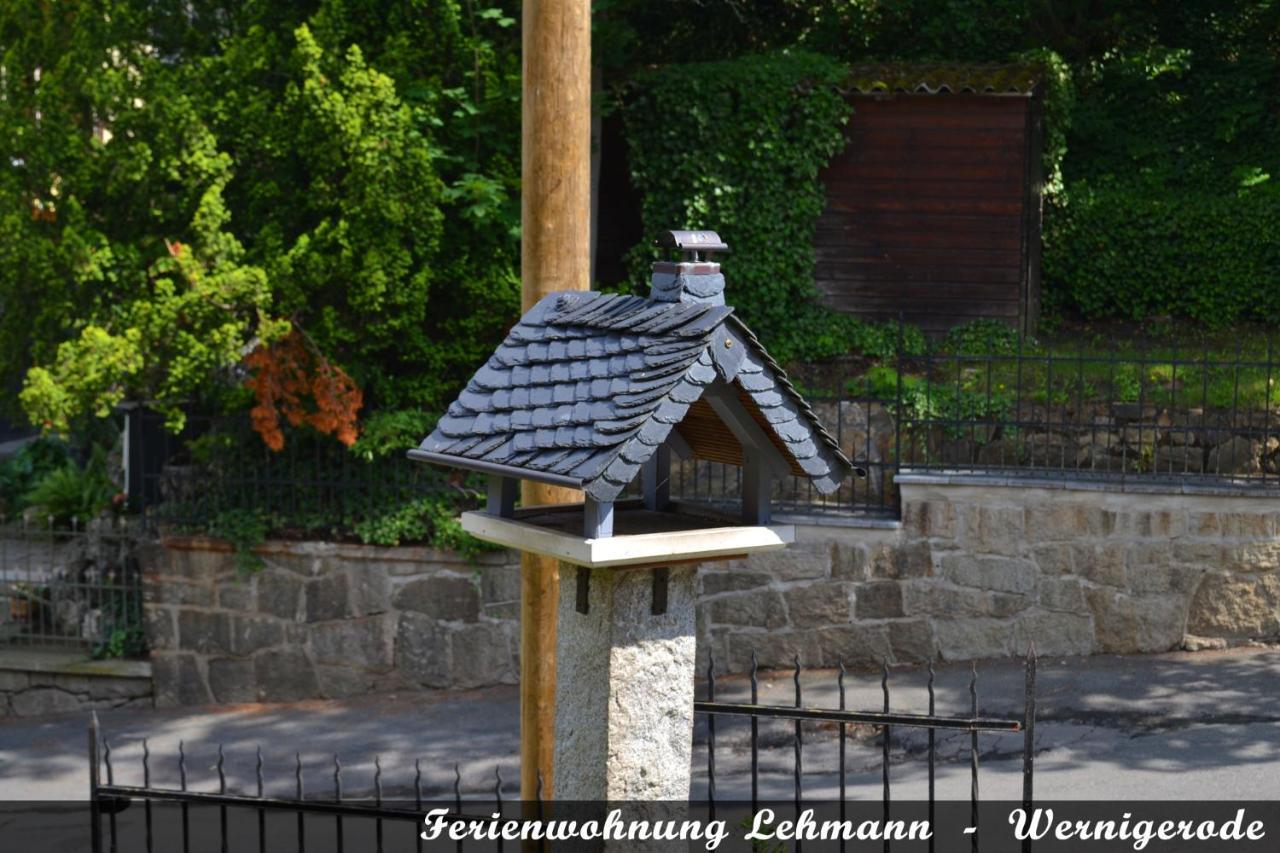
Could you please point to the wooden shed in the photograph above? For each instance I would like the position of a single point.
(934, 207)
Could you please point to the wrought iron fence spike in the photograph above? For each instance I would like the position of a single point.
(258, 769)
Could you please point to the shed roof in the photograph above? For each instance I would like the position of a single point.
(587, 386)
(944, 78)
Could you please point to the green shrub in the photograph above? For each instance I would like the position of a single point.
(1137, 251)
(22, 470)
(72, 493)
(982, 337)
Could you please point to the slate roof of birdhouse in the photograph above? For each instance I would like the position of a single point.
(587, 386)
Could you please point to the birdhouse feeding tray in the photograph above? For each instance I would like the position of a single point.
(596, 391)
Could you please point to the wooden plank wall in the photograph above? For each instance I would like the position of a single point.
(927, 211)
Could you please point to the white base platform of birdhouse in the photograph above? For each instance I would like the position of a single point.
(641, 538)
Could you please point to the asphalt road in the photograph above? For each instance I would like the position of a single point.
(1177, 726)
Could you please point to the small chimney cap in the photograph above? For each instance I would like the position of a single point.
(694, 241)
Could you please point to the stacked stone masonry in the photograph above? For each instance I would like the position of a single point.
(326, 620)
(981, 571)
(975, 570)
(34, 683)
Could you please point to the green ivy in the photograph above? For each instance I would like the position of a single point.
(1137, 251)
(738, 146)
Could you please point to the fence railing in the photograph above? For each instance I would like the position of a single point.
(1162, 416)
(886, 720)
(1158, 416)
(71, 587)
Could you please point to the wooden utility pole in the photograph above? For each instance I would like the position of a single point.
(555, 216)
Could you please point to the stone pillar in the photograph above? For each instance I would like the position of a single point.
(624, 687)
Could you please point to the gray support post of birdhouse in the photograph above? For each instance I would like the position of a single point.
(592, 391)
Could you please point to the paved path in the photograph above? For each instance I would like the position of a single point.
(1176, 726)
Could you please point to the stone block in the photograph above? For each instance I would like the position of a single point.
(444, 597)
(912, 641)
(762, 609)
(340, 682)
(936, 599)
(896, 561)
(236, 595)
(178, 681)
(774, 649)
(364, 642)
(14, 679)
(1256, 557)
(1237, 455)
(1236, 607)
(973, 638)
(995, 530)
(930, 520)
(880, 600)
(1007, 604)
(300, 564)
(1062, 594)
(500, 583)
(205, 631)
(849, 561)
(1054, 633)
(1049, 522)
(483, 654)
(1001, 574)
(116, 689)
(370, 589)
(1125, 624)
(328, 597)
(279, 594)
(817, 604)
(284, 675)
(178, 591)
(796, 562)
(715, 583)
(1102, 563)
(232, 680)
(506, 611)
(42, 701)
(1161, 578)
(162, 633)
(1054, 558)
(1160, 524)
(1249, 525)
(422, 650)
(857, 646)
(252, 633)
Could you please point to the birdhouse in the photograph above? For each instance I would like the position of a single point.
(597, 391)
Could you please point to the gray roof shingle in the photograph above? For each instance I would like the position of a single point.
(587, 385)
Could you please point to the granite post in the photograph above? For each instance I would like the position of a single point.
(624, 686)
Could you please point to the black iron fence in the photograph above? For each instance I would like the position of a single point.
(1171, 417)
(883, 724)
(1161, 416)
(206, 799)
(72, 587)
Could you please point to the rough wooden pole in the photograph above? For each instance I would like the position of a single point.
(555, 218)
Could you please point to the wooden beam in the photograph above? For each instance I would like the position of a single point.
(555, 219)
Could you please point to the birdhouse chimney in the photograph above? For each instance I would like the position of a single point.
(693, 278)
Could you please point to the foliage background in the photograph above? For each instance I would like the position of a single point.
(187, 182)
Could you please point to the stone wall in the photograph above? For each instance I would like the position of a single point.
(981, 568)
(326, 620)
(977, 568)
(35, 682)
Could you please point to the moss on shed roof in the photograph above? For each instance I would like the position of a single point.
(944, 78)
